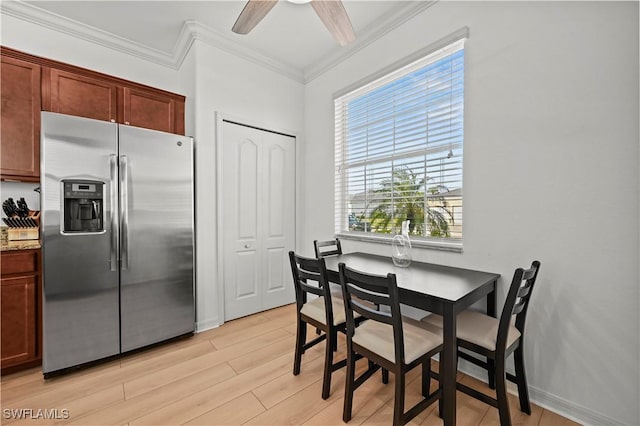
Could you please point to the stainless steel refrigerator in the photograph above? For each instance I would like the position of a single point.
(117, 235)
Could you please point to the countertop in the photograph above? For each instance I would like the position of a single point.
(19, 245)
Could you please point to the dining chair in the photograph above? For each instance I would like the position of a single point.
(325, 312)
(386, 339)
(334, 248)
(496, 339)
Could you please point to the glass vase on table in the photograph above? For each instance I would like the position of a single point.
(401, 247)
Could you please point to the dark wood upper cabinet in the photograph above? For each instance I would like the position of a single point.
(31, 83)
(20, 120)
(149, 110)
(82, 96)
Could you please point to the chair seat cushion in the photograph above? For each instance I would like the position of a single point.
(378, 338)
(477, 328)
(315, 310)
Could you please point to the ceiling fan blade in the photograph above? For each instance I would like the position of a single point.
(334, 16)
(252, 14)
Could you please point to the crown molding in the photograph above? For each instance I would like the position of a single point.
(44, 18)
(373, 32)
(193, 30)
(218, 40)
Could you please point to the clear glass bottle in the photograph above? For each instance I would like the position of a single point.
(401, 247)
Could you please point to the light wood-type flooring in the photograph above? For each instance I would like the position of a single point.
(239, 373)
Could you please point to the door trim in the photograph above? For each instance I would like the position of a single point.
(220, 118)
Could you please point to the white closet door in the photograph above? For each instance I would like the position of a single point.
(258, 181)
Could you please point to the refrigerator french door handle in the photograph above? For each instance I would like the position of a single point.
(124, 212)
(113, 196)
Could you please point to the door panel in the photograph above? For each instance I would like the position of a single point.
(241, 198)
(247, 276)
(157, 295)
(279, 232)
(246, 166)
(275, 274)
(258, 180)
(80, 308)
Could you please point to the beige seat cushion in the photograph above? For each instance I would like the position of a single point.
(476, 327)
(315, 310)
(378, 338)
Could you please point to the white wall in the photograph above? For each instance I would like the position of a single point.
(550, 173)
(239, 89)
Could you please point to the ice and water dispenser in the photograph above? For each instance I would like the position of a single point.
(83, 206)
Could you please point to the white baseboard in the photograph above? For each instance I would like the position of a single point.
(207, 325)
(546, 400)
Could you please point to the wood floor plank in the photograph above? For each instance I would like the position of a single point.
(549, 418)
(131, 409)
(271, 351)
(177, 371)
(235, 412)
(286, 311)
(27, 389)
(371, 396)
(212, 397)
(228, 339)
(91, 381)
(300, 407)
(287, 385)
(75, 408)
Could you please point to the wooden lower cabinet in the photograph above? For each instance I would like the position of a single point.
(21, 314)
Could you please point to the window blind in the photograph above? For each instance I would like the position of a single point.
(399, 150)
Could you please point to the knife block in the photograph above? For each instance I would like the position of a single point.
(26, 233)
(20, 234)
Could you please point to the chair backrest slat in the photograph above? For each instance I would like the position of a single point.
(304, 270)
(517, 302)
(319, 246)
(369, 313)
(359, 287)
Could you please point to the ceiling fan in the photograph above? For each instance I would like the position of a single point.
(331, 12)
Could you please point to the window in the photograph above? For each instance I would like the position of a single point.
(399, 146)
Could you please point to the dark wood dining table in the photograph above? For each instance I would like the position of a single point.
(444, 290)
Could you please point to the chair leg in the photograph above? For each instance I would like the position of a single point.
(398, 402)
(501, 391)
(349, 385)
(491, 372)
(301, 337)
(426, 377)
(328, 363)
(334, 339)
(523, 390)
(385, 376)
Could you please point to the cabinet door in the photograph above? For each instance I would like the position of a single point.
(82, 96)
(20, 120)
(149, 110)
(19, 321)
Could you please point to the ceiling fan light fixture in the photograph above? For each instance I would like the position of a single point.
(331, 12)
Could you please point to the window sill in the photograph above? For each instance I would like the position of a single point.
(455, 247)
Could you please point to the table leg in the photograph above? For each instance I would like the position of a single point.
(491, 301)
(448, 366)
(491, 311)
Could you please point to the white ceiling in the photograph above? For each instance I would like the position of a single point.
(291, 34)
